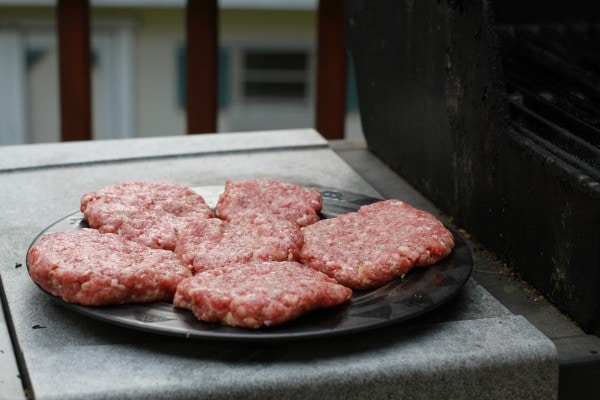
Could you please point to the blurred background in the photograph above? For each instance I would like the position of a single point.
(267, 69)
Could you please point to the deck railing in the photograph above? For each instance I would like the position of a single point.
(73, 20)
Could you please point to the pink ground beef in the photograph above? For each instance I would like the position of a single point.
(268, 198)
(150, 213)
(255, 266)
(258, 294)
(92, 268)
(380, 242)
(212, 243)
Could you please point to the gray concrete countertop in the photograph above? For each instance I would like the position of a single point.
(578, 352)
(10, 380)
(471, 347)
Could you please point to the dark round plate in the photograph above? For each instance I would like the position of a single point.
(422, 290)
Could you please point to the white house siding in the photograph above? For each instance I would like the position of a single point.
(159, 33)
(157, 36)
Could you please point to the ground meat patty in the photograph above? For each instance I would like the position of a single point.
(92, 268)
(268, 198)
(381, 241)
(258, 294)
(212, 243)
(149, 213)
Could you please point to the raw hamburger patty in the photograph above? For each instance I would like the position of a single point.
(212, 243)
(258, 294)
(268, 198)
(381, 241)
(92, 268)
(149, 213)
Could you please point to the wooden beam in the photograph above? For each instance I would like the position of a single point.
(331, 69)
(73, 20)
(202, 24)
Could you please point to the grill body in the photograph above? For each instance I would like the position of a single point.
(450, 98)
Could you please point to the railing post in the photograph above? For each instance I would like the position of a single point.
(73, 20)
(331, 69)
(202, 24)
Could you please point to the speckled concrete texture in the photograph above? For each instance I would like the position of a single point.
(11, 386)
(471, 347)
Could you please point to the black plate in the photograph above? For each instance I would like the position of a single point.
(422, 290)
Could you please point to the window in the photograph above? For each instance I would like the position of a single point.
(265, 86)
(274, 76)
(272, 87)
(29, 95)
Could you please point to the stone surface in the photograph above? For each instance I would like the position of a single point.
(73, 153)
(10, 380)
(470, 347)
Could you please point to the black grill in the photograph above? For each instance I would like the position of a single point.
(553, 89)
(491, 108)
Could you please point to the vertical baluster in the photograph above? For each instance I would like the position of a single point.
(201, 65)
(73, 20)
(331, 69)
